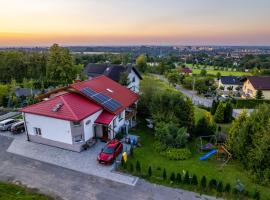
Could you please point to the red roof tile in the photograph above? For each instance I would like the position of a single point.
(110, 88)
(74, 107)
(186, 70)
(105, 118)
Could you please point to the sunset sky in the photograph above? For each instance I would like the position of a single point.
(134, 22)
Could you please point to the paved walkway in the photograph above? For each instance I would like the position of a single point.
(84, 162)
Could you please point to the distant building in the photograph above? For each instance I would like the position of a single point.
(186, 71)
(114, 72)
(254, 83)
(230, 82)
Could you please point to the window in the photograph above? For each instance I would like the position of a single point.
(133, 79)
(37, 131)
(114, 123)
(78, 138)
(76, 123)
(120, 116)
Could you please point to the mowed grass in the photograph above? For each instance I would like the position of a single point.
(211, 168)
(13, 192)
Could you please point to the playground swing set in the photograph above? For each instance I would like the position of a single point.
(213, 147)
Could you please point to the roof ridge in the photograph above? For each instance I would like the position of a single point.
(68, 107)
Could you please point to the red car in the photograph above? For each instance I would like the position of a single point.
(109, 153)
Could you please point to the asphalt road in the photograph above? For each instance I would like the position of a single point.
(71, 185)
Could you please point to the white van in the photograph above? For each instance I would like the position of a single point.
(6, 124)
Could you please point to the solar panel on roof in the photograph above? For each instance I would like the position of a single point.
(101, 98)
(88, 92)
(112, 105)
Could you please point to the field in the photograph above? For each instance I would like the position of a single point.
(13, 192)
(210, 71)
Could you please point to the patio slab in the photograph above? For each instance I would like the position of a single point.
(84, 162)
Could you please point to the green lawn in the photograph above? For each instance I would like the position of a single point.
(210, 168)
(13, 192)
(211, 71)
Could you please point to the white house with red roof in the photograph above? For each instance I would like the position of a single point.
(74, 115)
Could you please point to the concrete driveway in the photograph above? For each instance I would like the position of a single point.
(85, 161)
(72, 185)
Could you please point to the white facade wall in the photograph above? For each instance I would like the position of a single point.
(51, 128)
(118, 124)
(226, 86)
(88, 124)
(134, 81)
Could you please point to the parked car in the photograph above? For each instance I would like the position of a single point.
(6, 124)
(109, 153)
(18, 127)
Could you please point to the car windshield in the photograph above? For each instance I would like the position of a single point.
(108, 150)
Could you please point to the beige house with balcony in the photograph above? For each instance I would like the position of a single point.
(254, 83)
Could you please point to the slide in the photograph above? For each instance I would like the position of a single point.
(210, 153)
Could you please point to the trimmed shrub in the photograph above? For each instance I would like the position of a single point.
(172, 178)
(131, 168)
(186, 178)
(227, 188)
(220, 187)
(249, 103)
(194, 180)
(178, 178)
(149, 171)
(131, 152)
(212, 184)
(203, 182)
(164, 175)
(138, 166)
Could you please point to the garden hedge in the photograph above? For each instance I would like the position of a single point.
(248, 103)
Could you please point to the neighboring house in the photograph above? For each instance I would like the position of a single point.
(254, 83)
(186, 71)
(230, 82)
(114, 72)
(74, 115)
(26, 92)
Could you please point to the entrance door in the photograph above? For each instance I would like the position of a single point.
(105, 133)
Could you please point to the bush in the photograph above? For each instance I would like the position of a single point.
(177, 154)
(178, 178)
(131, 167)
(205, 126)
(149, 171)
(186, 178)
(159, 147)
(213, 184)
(138, 166)
(164, 175)
(194, 180)
(227, 188)
(220, 187)
(203, 182)
(256, 195)
(172, 178)
(249, 103)
(219, 115)
(131, 152)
